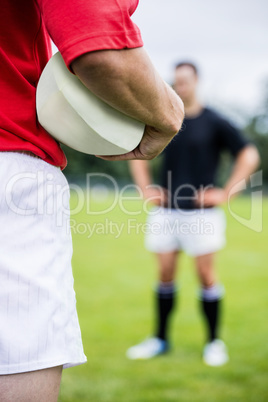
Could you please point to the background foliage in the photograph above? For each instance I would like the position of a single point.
(255, 128)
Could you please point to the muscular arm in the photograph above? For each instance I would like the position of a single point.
(127, 80)
(140, 171)
(245, 164)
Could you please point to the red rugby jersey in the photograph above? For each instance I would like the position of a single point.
(76, 27)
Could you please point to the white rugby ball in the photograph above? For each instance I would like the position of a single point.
(74, 116)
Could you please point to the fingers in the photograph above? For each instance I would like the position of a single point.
(135, 154)
(211, 198)
(122, 157)
(151, 145)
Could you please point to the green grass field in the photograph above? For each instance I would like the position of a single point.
(114, 280)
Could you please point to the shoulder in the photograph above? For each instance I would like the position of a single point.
(220, 121)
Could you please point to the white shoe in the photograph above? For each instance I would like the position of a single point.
(149, 348)
(215, 353)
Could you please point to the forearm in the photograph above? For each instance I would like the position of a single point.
(140, 171)
(127, 80)
(246, 163)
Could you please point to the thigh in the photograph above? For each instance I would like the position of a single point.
(41, 386)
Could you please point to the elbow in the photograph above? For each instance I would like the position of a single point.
(258, 160)
(253, 157)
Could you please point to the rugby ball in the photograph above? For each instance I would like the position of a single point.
(74, 116)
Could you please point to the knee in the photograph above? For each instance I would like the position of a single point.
(207, 282)
(166, 275)
(207, 277)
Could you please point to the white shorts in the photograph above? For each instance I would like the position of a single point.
(196, 232)
(38, 320)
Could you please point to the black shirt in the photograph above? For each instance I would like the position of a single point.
(192, 158)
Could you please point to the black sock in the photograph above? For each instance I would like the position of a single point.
(211, 312)
(211, 303)
(165, 298)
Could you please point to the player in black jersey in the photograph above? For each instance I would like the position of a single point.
(186, 214)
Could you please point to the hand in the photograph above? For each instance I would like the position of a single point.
(152, 144)
(156, 195)
(211, 197)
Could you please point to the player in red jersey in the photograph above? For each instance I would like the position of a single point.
(99, 42)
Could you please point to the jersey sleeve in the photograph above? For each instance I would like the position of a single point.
(230, 138)
(80, 26)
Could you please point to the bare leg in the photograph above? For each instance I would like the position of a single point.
(206, 270)
(167, 266)
(41, 386)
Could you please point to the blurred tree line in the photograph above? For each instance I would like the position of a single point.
(256, 129)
